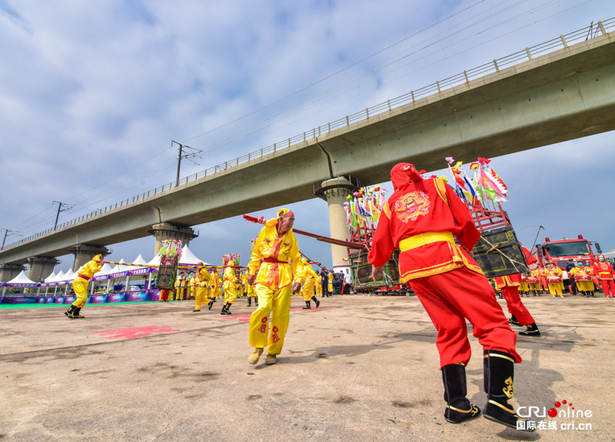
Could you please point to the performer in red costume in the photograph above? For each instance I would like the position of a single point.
(164, 295)
(509, 286)
(422, 218)
(605, 272)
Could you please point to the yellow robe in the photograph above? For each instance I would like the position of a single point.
(582, 285)
(310, 276)
(202, 287)
(230, 285)
(80, 285)
(273, 286)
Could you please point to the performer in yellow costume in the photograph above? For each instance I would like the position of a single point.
(180, 286)
(80, 285)
(309, 276)
(554, 279)
(202, 287)
(319, 286)
(218, 282)
(212, 286)
(524, 286)
(191, 283)
(229, 286)
(276, 245)
(239, 288)
(582, 277)
(250, 293)
(533, 279)
(330, 285)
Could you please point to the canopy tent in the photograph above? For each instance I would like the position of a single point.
(21, 280)
(50, 277)
(188, 258)
(106, 269)
(54, 278)
(155, 261)
(140, 260)
(69, 276)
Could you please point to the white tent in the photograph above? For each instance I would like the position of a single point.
(69, 276)
(50, 277)
(57, 277)
(106, 269)
(118, 267)
(155, 261)
(140, 260)
(188, 258)
(21, 279)
(122, 268)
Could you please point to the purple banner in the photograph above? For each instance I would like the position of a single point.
(8, 284)
(135, 296)
(115, 297)
(97, 299)
(20, 300)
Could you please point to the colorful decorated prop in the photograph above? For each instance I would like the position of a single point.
(498, 252)
(232, 259)
(169, 253)
(486, 185)
(363, 208)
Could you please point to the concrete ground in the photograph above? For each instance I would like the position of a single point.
(359, 369)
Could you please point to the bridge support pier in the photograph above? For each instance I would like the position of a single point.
(85, 252)
(41, 267)
(334, 191)
(9, 271)
(164, 231)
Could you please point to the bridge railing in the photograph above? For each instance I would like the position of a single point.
(442, 87)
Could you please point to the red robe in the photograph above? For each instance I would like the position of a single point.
(420, 219)
(605, 273)
(427, 206)
(509, 286)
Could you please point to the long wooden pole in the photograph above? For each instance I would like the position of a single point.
(337, 242)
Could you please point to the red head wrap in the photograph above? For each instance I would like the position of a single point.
(403, 174)
(285, 213)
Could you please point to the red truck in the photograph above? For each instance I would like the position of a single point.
(562, 250)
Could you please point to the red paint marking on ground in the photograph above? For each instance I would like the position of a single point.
(134, 332)
(246, 317)
(240, 318)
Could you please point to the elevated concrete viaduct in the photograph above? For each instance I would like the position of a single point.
(560, 96)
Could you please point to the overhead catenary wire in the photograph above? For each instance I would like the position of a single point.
(366, 74)
(330, 96)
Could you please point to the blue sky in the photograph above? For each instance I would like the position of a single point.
(92, 93)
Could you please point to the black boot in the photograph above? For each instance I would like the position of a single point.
(513, 320)
(211, 304)
(499, 368)
(76, 314)
(226, 309)
(256, 301)
(316, 301)
(70, 311)
(532, 330)
(249, 302)
(458, 408)
(307, 305)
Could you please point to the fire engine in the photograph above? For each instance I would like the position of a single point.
(560, 251)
